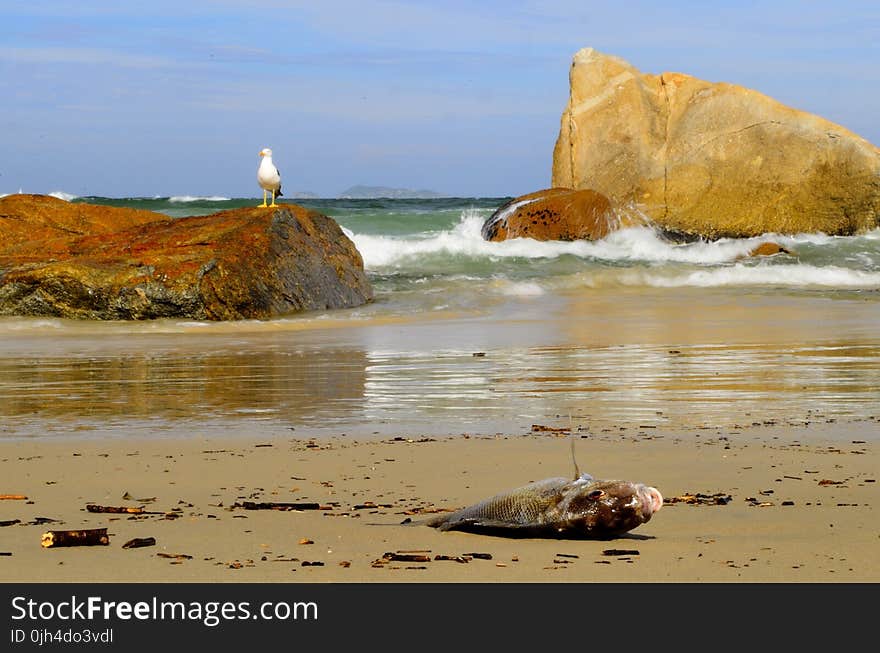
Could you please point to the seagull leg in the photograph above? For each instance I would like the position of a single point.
(264, 198)
(273, 197)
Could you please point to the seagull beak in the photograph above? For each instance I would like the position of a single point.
(262, 154)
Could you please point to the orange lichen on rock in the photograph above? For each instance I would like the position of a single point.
(98, 262)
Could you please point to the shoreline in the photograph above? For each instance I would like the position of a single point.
(802, 507)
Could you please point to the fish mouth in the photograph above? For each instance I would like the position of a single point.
(652, 500)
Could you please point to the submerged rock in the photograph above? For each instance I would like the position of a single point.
(97, 262)
(555, 214)
(768, 249)
(711, 159)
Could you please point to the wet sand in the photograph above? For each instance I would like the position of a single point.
(676, 358)
(802, 506)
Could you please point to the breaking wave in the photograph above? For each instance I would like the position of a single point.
(198, 198)
(791, 276)
(632, 256)
(61, 195)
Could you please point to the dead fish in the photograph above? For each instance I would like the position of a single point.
(582, 507)
(558, 507)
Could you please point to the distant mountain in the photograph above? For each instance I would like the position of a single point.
(373, 192)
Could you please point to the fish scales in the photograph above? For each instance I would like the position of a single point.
(531, 504)
(558, 507)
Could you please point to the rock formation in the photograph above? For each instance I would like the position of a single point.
(711, 159)
(556, 214)
(98, 262)
(768, 249)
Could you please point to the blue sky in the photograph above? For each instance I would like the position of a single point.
(464, 98)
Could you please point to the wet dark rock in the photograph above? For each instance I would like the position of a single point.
(555, 214)
(76, 260)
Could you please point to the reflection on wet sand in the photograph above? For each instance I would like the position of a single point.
(256, 383)
(686, 358)
(621, 384)
(703, 385)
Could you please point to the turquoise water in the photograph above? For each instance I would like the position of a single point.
(429, 254)
(467, 336)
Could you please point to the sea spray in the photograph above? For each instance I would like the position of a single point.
(61, 195)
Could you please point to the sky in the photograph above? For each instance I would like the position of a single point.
(160, 98)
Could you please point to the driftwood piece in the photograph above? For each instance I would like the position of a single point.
(406, 557)
(39, 521)
(541, 428)
(84, 537)
(138, 542)
(14, 497)
(478, 556)
(10, 522)
(275, 505)
(130, 510)
(716, 499)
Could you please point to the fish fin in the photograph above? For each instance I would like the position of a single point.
(443, 523)
(577, 472)
(482, 526)
(461, 524)
(481, 523)
(406, 522)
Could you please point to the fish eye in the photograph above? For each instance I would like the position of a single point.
(596, 494)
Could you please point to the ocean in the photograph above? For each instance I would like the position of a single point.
(470, 337)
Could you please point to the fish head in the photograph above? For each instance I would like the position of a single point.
(592, 508)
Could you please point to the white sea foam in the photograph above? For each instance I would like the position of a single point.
(513, 207)
(61, 195)
(29, 324)
(522, 289)
(745, 275)
(632, 244)
(464, 238)
(640, 256)
(198, 198)
(819, 238)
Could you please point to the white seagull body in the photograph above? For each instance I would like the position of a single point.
(268, 176)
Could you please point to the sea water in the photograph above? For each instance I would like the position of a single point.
(470, 336)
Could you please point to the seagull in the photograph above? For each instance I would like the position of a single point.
(268, 176)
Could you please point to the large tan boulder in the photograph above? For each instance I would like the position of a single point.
(711, 159)
(104, 263)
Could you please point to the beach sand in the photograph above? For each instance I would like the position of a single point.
(768, 400)
(802, 506)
